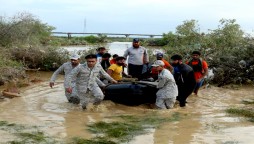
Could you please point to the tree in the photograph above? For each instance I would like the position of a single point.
(24, 29)
(228, 34)
(188, 33)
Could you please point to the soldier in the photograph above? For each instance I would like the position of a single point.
(166, 95)
(66, 68)
(87, 88)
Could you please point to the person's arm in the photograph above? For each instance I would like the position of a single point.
(110, 72)
(168, 66)
(55, 74)
(126, 53)
(205, 73)
(205, 68)
(126, 75)
(162, 82)
(99, 82)
(107, 76)
(146, 57)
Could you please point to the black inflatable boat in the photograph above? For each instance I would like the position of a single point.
(131, 93)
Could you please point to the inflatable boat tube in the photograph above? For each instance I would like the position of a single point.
(131, 93)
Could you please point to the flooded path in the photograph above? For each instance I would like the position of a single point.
(205, 119)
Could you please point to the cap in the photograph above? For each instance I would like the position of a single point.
(158, 63)
(135, 40)
(176, 57)
(160, 55)
(91, 56)
(75, 57)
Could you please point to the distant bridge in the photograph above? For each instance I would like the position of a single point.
(100, 34)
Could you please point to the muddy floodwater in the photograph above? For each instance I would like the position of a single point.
(204, 121)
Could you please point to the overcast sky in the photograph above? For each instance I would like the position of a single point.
(132, 16)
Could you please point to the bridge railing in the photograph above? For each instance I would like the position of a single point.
(69, 34)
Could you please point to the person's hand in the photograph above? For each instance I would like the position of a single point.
(97, 101)
(198, 80)
(51, 84)
(114, 82)
(69, 90)
(103, 88)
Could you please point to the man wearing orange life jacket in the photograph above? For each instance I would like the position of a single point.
(154, 73)
(200, 68)
(113, 61)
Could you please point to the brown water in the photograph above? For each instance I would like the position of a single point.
(205, 121)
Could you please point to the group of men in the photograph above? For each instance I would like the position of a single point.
(176, 81)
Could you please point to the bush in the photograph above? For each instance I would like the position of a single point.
(45, 58)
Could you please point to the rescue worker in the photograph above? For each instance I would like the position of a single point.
(105, 61)
(88, 90)
(200, 68)
(113, 60)
(184, 77)
(154, 72)
(138, 56)
(100, 52)
(166, 95)
(66, 68)
(116, 70)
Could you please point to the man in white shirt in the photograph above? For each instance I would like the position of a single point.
(138, 56)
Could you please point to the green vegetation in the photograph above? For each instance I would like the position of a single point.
(151, 119)
(245, 112)
(127, 127)
(116, 129)
(97, 140)
(123, 128)
(81, 40)
(241, 112)
(248, 101)
(23, 29)
(25, 134)
(27, 42)
(35, 136)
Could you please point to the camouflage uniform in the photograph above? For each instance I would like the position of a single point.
(66, 68)
(166, 95)
(87, 88)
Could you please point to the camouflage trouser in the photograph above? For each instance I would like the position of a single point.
(72, 97)
(91, 96)
(165, 103)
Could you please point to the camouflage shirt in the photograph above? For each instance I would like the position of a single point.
(65, 69)
(86, 78)
(167, 85)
